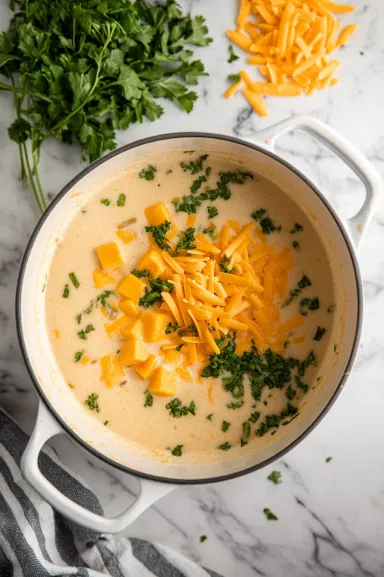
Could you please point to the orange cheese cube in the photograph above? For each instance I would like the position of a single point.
(113, 328)
(112, 373)
(153, 261)
(146, 369)
(128, 307)
(126, 236)
(133, 330)
(109, 255)
(172, 356)
(133, 352)
(157, 214)
(131, 287)
(102, 278)
(163, 383)
(154, 325)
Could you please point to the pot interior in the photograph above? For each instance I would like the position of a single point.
(36, 344)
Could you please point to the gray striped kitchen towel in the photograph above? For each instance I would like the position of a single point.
(35, 541)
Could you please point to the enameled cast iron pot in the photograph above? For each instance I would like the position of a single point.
(59, 410)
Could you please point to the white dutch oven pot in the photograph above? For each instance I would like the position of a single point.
(59, 410)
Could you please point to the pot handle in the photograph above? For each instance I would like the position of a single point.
(45, 428)
(360, 165)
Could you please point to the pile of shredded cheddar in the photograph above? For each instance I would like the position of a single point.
(207, 302)
(290, 41)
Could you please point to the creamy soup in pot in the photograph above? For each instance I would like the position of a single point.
(189, 305)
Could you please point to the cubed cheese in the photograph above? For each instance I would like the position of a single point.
(126, 236)
(133, 352)
(131, 287)
(154, 325)
(146, 369)
(133, 329)
(152, 261)
(157, 214)
(112, 373)
(102, 278)
(109, 255)
(163, 383)
(117, 325)
(128, 307)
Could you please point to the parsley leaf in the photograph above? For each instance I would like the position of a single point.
(225, 446)
(303, 283)
(78, 356)
(66, 292)
(266, 223)
(92, 402)
(296, 228)
(233, 78)
(83, 334)
(148, 173)
(121, 200)
(186, 240)
(105, 201)
(212, 211)
(141, 273)
(210, 231)
(159, 234)
(232, 55)
(223, 265)
(275, 477)
(269, 515)
(310, 304)
(171, 328)
(319, 334)
(177, 410)
(148, 399)
(74, 280)
(225, 426)
(152, 294)
(178, 451)
(194, 166)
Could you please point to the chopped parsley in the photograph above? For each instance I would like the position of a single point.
(209, 417)
(152, 294)
(307, 362)
(191, 203)
(74, 280)
(177, 451)
(232, 55)
(92, 402)
(186, 240)
(275, 477)
(269, 515)
(290, 393)
(78, 319)
(237, 405)
(210, 231)
(266, 223)
(148, 399)
(225, 446)
(78, 356)
(319, 334)
(303, 283)
(171, 328)
(246, 429)
(254, 417)
(105, 201)
(203, 538)
(169, 171)
(177, 410)
(296, 228)
(300, 385)
(105, 423)
(66, 292)
(148, 173)
(180, 347)
(233, 78)
(223, 265)
(194, 166)
(196, 184)
(83, 334)
(273, 421)
(141, 273)
(328, 459)
(212, 211)
(225, 426)
(159, 234)
(309, 305)
(296, 245)
(121, 200)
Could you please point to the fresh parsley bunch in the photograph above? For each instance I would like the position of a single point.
(80, 70)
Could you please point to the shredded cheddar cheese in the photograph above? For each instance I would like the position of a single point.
(290, 41)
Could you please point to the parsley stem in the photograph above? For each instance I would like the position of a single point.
(19, 89)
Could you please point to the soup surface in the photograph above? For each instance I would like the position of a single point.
(189, 306)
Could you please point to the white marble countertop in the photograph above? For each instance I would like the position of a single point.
(331, 515)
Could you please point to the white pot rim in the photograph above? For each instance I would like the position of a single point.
(45, 216)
